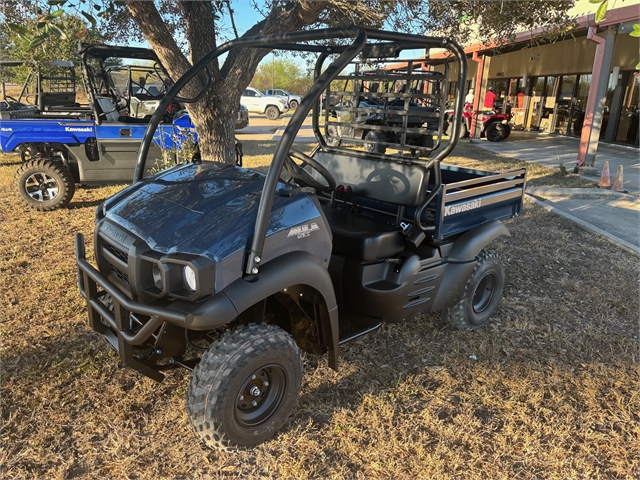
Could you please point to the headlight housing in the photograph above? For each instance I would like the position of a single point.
(178, 276)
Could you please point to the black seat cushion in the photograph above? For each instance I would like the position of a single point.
(362, 238)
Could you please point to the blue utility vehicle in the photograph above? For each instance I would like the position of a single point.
(64, 143)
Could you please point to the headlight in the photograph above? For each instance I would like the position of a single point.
(157, 276)
(189, 278)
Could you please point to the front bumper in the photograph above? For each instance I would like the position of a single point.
(116, 327)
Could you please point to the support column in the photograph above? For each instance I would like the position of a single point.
(597, 97)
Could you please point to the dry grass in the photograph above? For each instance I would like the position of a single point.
(553, 392)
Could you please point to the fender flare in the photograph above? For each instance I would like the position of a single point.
(294, 268)
(462, 261)
(468, 246)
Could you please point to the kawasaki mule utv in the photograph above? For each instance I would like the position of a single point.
(230, 272)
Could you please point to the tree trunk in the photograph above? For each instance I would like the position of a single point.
(214, 115)
(214, 119)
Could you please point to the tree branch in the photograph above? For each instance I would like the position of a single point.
(240, 65)
(233, 22)
(159, 37)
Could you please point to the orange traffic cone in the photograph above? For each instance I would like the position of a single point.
(605, 178)
(618, 183)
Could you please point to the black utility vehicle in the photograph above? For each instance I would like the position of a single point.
(230, 272)
(381, 96)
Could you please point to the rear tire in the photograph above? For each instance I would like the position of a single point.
(245, 386)
(375, 137)
(481, 296)
(45, 184)
(272, 113)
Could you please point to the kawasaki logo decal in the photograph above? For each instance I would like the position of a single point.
(462, 207)
(78, 129)
(116, 235)
(303, 230)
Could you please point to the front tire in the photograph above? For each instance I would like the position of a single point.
(293, 104)
(245, 386)
(481, 296)
(496, 132)
(45, 184)
(272, 113)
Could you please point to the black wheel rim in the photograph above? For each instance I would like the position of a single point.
(41, 187)
(260, 395)
(484, 293)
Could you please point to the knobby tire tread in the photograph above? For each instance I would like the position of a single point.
(456, 315)
(66, 184)
(210, 384)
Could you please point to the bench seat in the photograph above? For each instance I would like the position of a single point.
(361, 238)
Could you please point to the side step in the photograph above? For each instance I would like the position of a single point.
(353, 326)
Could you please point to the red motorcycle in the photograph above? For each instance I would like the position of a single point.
(495, 126)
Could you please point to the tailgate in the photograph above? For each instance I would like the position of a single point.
(467, 203)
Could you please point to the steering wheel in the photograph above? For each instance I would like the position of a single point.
(116, 100)
(10, 100)
(122, 103)
(303, 178)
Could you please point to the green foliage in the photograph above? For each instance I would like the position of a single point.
(636, 33)
(602, 11)
(284, 73)
(26, 42)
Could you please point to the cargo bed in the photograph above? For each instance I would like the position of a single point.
(466, 198)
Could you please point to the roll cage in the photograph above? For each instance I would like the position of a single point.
(347, 43)
(97, 72)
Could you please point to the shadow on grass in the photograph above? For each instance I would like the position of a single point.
(11, 164)
(86, 204)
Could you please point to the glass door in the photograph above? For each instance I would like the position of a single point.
(628, 126)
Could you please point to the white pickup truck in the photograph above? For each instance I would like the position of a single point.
(258, 102)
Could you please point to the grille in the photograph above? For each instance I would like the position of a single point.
(122, 276)
(117, 252)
